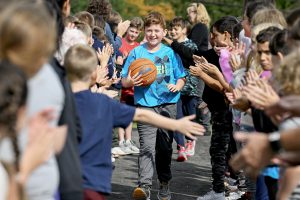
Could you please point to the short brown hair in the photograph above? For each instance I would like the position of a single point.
(155, 18)
(85, 28)
(137, 23)
(80, 62)
(179, 21)
(86, 17)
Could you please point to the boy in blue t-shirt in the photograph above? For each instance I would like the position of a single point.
(99, 115)
(161, 97)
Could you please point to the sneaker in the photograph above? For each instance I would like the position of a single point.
(130, 144)
(247, 196)
(181, 155)
(190, 147)
(164, 192)
(212, 195)
(125, 148)
(113, 159)
(117, 151)
(141, 193)
(234, 195)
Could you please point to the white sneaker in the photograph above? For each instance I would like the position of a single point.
(212, 195)
(190, 147)
(133, 148)
(234, 195)
(125, 148)
(118, 151)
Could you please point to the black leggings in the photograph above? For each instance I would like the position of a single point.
(272, 186)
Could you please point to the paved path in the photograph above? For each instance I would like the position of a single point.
(190, 179)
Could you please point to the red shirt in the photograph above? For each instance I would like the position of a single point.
(125, 50)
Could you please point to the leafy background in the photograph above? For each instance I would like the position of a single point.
(171, 8)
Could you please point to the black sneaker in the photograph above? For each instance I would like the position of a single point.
(141, 193)
(164, 192)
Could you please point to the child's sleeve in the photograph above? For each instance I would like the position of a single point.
(178, 67)
(131, 57)
(122, 114)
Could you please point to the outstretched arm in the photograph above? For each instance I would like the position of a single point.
(183, 125)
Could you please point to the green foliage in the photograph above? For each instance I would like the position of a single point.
(216, 8)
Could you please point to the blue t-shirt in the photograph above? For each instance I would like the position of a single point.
(169, 70)
(98, 116)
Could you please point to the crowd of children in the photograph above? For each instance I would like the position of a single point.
(61, 75)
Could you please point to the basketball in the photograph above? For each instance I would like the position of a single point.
(145, 68)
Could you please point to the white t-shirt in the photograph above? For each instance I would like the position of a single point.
(4, 182)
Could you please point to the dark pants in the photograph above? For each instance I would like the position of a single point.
(221, 131)
(187, 105)
(155, 148)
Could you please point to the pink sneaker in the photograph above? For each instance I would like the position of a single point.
(181, 155)
(190, 147)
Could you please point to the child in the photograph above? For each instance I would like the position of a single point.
(160, 97)
(99, 115)
(21, 44)
(128, 43)
(191, 92)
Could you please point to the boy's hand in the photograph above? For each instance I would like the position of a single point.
(136, 80)
(199, 59)
(196, 71)
(189, 128)
(173, 88)
(122, 28)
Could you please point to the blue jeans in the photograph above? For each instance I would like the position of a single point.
(187, 105)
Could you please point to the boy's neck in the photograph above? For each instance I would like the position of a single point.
(130, 42)
(153, 48)
(181, 39)
(78, 86)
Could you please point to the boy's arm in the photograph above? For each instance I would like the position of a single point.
(183, 125)
(212, 83)
(179, 85)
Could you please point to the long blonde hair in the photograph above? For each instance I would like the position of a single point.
(287, 76)
(201, 12)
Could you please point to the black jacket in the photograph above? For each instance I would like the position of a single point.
(70, 186)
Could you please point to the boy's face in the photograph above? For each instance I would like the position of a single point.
(218, 38)
(178, 32)
(264, 55)
(154, 34)
(132, 34)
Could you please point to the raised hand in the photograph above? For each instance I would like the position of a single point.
(104, 54)
(250, 158)
(189, 128)
(289, 105)
(196, 71)
(199, 59)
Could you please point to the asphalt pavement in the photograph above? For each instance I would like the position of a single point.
(190, 179)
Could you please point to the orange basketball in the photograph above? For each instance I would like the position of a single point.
(145, 68)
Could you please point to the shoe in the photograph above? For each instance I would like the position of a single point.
(141, 193)
(130, 144)
(118, 151)
(247, 196)
(190, 147)
(212, 195)
(234, 195)
(125, 148)
(113, 159)
(181, 155)
(164, 191)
